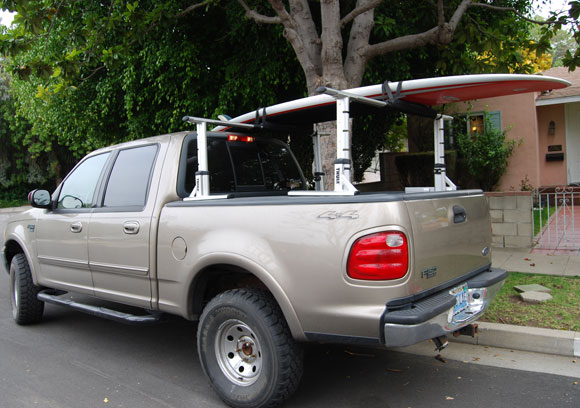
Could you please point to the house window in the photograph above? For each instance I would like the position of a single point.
(477, 122)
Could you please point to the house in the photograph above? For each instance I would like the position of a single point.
(546, 127)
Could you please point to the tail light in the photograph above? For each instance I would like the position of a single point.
(381, 256)
(240, 138)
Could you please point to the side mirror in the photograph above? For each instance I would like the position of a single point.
(40, 199)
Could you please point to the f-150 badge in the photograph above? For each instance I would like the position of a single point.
(429, 273)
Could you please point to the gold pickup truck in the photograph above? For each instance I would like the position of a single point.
(261, 269)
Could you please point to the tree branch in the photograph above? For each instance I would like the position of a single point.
(257, 17)
(458, 14)
(191, 8)
(481, 30)
(358, 42)
(512, 10)
(406, 42)
(358, 11)
(440, 13)
(280, 9)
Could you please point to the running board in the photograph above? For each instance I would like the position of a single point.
(53, 297)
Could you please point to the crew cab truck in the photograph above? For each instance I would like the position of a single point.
(262, 267)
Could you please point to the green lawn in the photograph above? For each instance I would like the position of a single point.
(562, 312)
(546, 214)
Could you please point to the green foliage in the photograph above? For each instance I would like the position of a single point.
(395, 137)
(20, 170)
(89, 74)
(564, 24)
(485, 41)
(486, 154)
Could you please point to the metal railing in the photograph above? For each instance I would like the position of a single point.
(556, 215)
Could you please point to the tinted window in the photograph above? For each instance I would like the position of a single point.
(221, 178)
(247, 164)
(129, 181)
(280, 169)
(78, 190)
(257, 166)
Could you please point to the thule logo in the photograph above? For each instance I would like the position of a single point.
(429, 273)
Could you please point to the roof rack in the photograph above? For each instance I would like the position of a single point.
(342, 164)
(201, 189)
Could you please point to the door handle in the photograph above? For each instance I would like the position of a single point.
(131, 227)
(459, 214)
(76, 227)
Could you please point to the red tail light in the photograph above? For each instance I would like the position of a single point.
(240, 138)
(381, 256)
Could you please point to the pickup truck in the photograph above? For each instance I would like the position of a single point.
(260, 269)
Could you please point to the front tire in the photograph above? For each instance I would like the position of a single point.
(26, 308)
(246, 349)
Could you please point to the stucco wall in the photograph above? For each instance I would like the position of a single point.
(518, 117)
(552, 173)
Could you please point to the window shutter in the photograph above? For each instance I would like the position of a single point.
(495, 119)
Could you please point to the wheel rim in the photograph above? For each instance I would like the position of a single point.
(238, 352)
(15, 295)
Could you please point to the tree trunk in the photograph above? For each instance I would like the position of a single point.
(327, 132)
(322, 58)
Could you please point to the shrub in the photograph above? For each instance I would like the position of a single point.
(486, 155)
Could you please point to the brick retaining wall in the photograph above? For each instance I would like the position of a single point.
(511, 218)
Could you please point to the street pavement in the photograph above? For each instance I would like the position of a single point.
(75, 360)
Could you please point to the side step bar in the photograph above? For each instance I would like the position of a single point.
(53, 297)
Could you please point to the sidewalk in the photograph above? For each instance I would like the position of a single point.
(522, 260)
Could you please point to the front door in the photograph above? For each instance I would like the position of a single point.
(573, 142)
(62, 233)
(119, 238)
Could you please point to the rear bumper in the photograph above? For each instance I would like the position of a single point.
(434, 316)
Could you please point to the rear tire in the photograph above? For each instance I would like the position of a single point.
(247, 351)
(26, 308)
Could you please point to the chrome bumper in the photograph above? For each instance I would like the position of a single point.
(411, 326)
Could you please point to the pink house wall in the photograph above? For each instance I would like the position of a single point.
(552, 173)
(518, 117)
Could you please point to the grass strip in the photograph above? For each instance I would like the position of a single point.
(561, 313)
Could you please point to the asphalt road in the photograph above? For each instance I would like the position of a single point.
(72, 360)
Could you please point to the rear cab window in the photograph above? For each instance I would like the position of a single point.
(252, 165)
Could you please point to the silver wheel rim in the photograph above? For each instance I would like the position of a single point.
(15, 295)
(238, 352)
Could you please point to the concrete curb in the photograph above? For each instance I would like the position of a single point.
(547, 341)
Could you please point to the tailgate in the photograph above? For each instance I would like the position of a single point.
(451, 236)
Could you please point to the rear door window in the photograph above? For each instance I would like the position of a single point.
(128, 184)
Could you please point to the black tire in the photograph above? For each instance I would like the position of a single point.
(246, 349)
(26, 308)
